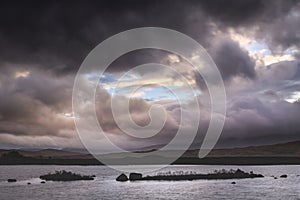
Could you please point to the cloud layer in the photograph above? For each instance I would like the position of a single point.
(254, 43)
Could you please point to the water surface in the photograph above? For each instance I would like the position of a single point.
(105, 186)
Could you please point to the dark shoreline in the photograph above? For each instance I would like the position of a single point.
(180, 161)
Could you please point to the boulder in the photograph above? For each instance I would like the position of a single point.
(135, 176)
(43, 182)
(233, 183)
(28, 183)
(11, 180)
(122, 178)
(283, 176)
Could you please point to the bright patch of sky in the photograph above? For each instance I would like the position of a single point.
(258, 47)
(294, 97)
(260, 51)
(22, 74)
(148, 88)
(152, 92)
(105, 78)
(148, 94)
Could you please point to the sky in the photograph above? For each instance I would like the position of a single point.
(254, 43)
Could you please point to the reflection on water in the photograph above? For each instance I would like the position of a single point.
(105, 186)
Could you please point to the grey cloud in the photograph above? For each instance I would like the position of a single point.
(247, 12)
(283, 32)
(35, 105)
(138, 109)
(285, 70)
(250, 119)
(50, 37)
(231, 59)
(275, 22)
(59, 35)
(270, 93)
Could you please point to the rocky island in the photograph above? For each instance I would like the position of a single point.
(65, 176)
(181, 176)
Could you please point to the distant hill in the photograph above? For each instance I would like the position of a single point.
(285, 153)
(290, 149)
(53, 153)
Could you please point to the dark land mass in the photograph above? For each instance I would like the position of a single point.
(217, 175)
(65, 176)
(278, 154)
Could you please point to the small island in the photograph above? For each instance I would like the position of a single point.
(65, 176)
(181, 176)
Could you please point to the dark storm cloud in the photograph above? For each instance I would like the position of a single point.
(234, 12)
(276, 21)
(50, 39)
(135, 58)
(283, 32)
(60, 34)
(231, 59)
(246, 12)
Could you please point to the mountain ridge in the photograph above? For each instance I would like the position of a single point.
(289, 149)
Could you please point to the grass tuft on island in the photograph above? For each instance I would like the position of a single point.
(65, 176)
(181, 176)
